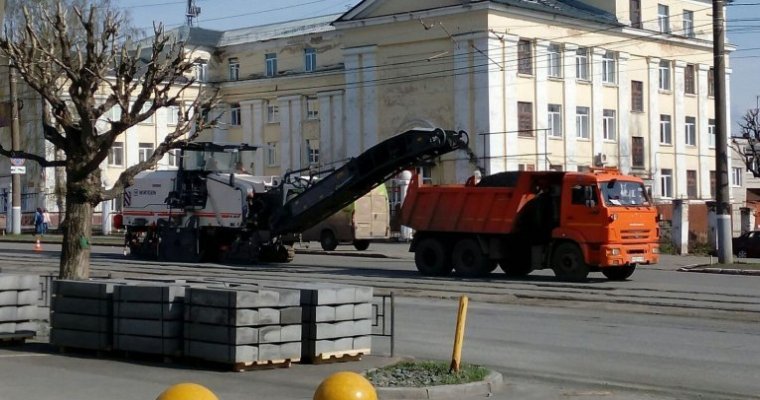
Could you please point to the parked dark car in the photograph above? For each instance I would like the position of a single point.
(747, 245)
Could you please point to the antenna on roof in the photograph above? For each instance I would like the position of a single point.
(192, 12)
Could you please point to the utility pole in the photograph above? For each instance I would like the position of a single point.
(724, 231)
(15, 146)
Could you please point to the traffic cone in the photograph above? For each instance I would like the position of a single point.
(38, 245)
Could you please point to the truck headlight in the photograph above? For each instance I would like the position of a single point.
(614, 252)
(655, 250)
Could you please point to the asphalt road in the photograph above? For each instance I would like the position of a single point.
(662, 335)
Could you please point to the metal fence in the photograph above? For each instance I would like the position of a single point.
(384, 321)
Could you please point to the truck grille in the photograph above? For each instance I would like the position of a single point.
(634, 234)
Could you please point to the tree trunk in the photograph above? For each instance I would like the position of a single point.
(77, 232)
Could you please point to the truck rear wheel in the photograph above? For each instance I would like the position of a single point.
(470, 261)
(327, 240)
(568, 263)
(619, 273)
(361, 244)
(431, 258)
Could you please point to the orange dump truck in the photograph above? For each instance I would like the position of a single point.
(571, 222)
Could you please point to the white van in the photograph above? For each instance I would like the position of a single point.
(368, 218)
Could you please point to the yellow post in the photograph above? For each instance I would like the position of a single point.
(456, 357)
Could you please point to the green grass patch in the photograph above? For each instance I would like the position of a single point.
(425, 373)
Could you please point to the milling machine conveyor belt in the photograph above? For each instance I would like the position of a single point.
(361, 174)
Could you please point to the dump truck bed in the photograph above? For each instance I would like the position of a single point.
(461, 208)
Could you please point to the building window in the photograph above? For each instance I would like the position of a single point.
(271, 63)
(145, 150)
(312, 150)
(235, 114)
(554, 59)
(666, 183)
(582, 122)
(663, 18)
(172, 115)
(637, 96)
(116, 155)
(637, 151)
(310, 60)
(691, 131)
(713, 184)
(555, 167)
(691, 183)
(271, 154)
(555, 120)
(635, 7)
(201, 71)
(113, 114)
(689, 86)
(608, 67)
(524, 57)
(234, 69)
(173, 158)
(526, 167)
(711, 133)
(664, 75)
(608, 121)
(273, 114)
(665, 130)
(525, 118)
(144, 109)
(736, 176)
(688, 23)
(312, 108)
(581, 63)
(711, 82)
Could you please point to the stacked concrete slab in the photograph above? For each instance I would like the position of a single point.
(81, 314)
(337, 320)
(18, 305)
(148, 318)
(243, 326)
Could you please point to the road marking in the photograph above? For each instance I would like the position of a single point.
(23, 355)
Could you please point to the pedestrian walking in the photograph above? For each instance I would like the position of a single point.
(38, 221)
(45, 221)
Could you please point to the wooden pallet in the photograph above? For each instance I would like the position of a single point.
(259, 365)
(14, 339)
(338, 356)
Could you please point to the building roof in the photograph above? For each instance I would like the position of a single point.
(278, 30)
(570, 8)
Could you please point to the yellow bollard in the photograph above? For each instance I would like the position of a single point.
(456, 357)
(345, 386)
(187, 391)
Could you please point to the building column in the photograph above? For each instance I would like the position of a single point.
(510, 101)
(541, 106)
(625, 156)
(290, 133)
(706, 156)
(462, 106)
(252, 118)
(331, 136)
(729, 151)
(361, 99)
(597, 104)
(220, 131)
(488, 100)
(654, 123)
(679, 130)
(569, 108)
(680, 230)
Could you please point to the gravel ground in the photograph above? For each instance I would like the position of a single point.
(424, 373)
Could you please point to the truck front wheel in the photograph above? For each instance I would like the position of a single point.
(328, 240)
(361, 244)
(568, 263)
(619, 273)
(469, 259)
(431, 258)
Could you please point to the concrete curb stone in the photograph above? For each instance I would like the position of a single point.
(491, 384)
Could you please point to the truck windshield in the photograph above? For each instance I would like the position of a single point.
(624, 193)
(215, 161)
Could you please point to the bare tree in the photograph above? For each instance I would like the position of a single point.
(749, 144)
(81, 66)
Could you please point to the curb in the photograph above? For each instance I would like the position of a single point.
(342, 253)
(724, 271)
(491, 384)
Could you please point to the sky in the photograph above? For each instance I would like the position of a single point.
(743, 30)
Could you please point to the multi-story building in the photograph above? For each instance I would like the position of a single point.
(538, 85)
